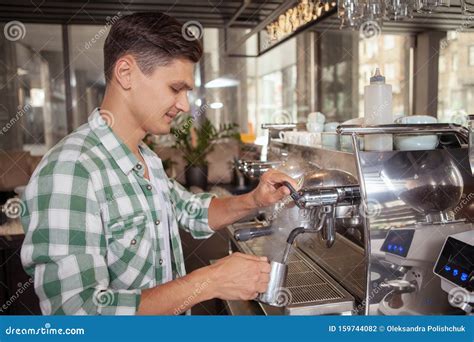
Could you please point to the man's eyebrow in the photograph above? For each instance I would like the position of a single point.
(182, 84)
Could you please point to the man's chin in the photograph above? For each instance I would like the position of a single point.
(163, 130)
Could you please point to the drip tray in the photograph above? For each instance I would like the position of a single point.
(312, 291)
(309, 289)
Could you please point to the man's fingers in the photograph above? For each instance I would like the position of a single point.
(284, 191)
(252, 257)
(265, 267)
(262, 287)
(264, 278)
(276, 177)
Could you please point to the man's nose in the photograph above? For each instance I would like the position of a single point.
(183, 102)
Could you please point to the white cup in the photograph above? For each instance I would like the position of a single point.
(330, 140)
(283, 135)
(331, 126)
(346, 143)
(304, 138)
(317, 117)
(416, 142)
(314, 127)
(289, 137)
(315, 139)
(330, 137)
(309, 138)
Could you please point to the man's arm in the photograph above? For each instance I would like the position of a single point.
(225, 211)
(64, 249)
(235, 277)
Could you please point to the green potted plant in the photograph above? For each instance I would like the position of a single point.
(195, 139)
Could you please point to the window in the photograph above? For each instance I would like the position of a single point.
(276, 74)
(392, 56)
(442, 64)
(345, 55)
(338, 88)
(454, 62)
(32, 89)
(390, 72)
(389, 42)
(87, 75)
(456, 80)
(225, 81)
(471, 55)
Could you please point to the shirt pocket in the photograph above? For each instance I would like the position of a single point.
(129, 252)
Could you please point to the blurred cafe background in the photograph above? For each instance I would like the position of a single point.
(264, 62)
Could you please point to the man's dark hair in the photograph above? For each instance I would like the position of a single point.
(153, 38)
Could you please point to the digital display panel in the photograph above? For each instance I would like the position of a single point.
(398, 241)
(456, 263)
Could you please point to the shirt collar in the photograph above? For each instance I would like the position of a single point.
(122, 155)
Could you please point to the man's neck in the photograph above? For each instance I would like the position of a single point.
(123, 122)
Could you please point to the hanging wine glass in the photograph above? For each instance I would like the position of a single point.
(399, 9)
(350, 12)
(374, 11)
(427, 6)
(467, 7)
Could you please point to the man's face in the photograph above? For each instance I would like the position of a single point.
(158, 98)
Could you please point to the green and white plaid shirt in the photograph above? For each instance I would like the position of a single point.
(93, 231)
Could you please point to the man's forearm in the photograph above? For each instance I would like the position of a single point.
(225, 211)
(179, 295)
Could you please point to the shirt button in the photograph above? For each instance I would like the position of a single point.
(161, 261)
(157, 222)
(133, 242)
(139, 166)
(148, 187)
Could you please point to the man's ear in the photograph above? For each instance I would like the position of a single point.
(123, 69)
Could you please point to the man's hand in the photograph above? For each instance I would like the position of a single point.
(270, 189)
(239, 277)
(225, 211)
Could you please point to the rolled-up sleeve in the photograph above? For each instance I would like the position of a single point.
(64, 248)
(192, 210)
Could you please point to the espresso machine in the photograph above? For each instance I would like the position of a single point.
(434, 192)
(362, 234)
(455, 269)
(325, 201)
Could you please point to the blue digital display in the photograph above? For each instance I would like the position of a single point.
(398, 241)
(455, 263)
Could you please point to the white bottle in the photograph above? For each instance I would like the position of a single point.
(378, 111)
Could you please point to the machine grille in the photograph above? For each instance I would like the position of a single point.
(312, 290)
(307, 285)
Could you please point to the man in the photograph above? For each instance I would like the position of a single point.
(101, 216)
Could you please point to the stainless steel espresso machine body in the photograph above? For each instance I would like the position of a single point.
(413, 201)
(390, 214)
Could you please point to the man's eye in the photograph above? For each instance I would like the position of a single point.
(175, 90)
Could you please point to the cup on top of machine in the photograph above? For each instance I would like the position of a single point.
(416, 142)
(315, 122)
(330, 137)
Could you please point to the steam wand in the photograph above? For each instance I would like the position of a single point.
(297, 231)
